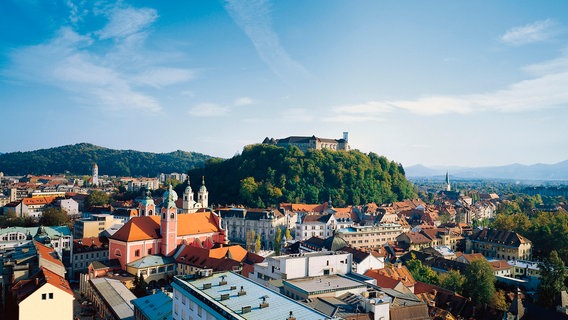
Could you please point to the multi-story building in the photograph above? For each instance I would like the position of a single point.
(313, 142)
(156, 306)
(69, 205)
(430, 237)
(497, 244)
(94, 225)
(161, 234)
(315, 225)
(85, 251)
(302, 265)
(240, 222)
(228, 295)
(371, 236)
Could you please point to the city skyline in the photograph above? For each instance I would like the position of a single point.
(440, 84)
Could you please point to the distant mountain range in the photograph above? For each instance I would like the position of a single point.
(557, 171)
(79, 159)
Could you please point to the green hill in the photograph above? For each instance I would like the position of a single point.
(79, 159)
(265, 175)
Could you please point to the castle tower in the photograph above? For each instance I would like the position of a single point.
(168, 222)
(188, 202)
(146, 207)
(95, 175)
(448, 186)
(203, 195)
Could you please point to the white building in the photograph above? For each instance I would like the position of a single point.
(296, 266)
(69, 205)
(315, 225)
(229, 295)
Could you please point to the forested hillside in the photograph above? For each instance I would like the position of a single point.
(79, 159)
(265, 175)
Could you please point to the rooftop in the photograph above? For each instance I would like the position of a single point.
(155, 307)
(314, 285)
(209, 291)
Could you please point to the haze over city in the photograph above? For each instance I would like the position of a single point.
(435, 83)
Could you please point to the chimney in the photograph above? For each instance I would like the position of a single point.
(291, 317)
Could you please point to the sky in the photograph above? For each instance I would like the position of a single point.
(438, 83)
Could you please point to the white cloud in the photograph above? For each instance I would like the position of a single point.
(533, 32)
(99, 74)
(124, 22)
(547, 89)
(253, 17)
(243, 101)
(160, 77)
(294, 115)
(208, 110)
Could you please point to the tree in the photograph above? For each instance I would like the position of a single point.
(140, 286)
(552, 276)
(257, 243)
(287, 234)
(499, 301)
(421, 272)
(97, 198)
(479, 282)
(54, 217)
(277, 241)
(452, 280)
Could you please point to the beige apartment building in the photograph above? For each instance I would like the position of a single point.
(92, 227)
(371, 236)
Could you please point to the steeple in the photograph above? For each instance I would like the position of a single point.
(147, 207)
(188, 202)
(448, 186)
(168, 222)
(203, 195)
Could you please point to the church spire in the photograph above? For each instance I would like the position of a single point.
(448, 186)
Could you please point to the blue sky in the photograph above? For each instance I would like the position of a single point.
(467, 83)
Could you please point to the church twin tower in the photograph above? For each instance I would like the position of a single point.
(146, 207)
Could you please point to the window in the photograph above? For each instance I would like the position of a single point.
(51, 295)
(137, 253)
(43, 296)
(149, 251)
(199, 311)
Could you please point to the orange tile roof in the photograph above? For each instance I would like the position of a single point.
(398, 273)
(57, 281)
(237, 253)
(148, 227)
(38, 200)
(47, 253)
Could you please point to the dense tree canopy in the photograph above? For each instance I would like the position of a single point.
(264, 175)
(79, 159)
(479, 282)
(420, 272)
(552, 277)
(547, 230)
(97, 198)
(54, 217)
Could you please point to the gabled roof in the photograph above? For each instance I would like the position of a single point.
(25, 288)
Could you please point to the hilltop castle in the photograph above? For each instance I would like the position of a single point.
(313, 142)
